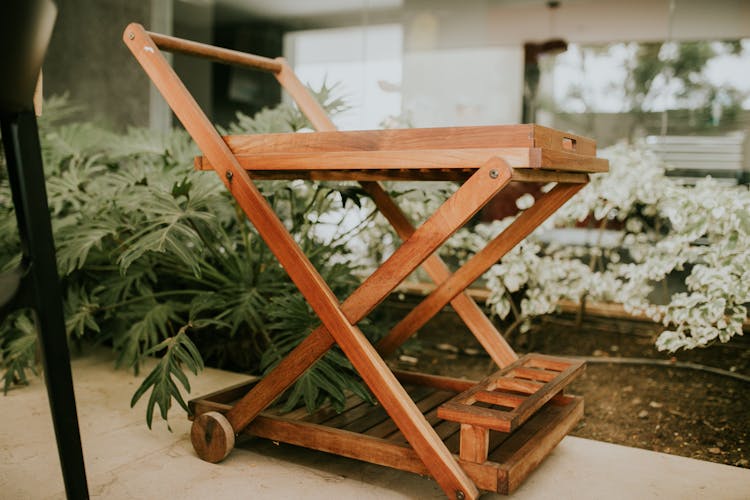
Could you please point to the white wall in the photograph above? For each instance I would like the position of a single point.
(458, 87)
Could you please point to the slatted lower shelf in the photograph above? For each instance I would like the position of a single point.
(366, 432)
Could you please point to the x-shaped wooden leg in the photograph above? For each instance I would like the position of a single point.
(477, 265)
(317, 343)
(468, 310)
(422, 243)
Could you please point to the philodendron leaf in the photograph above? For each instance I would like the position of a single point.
(180, 354)
(18, 354)
(145, 335)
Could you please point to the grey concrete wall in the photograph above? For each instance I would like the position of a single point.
(88, 60)
(194, 21)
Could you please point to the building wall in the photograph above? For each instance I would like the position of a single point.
(88, 60)
(481, 40)
(194, 21)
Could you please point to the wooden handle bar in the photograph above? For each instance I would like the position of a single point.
(218, 54)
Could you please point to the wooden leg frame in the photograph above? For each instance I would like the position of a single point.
(416, 427)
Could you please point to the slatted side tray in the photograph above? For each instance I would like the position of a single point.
(365, 432)
(513, 394)
(451, 153)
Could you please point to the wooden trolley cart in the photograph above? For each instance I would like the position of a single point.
(468, 436)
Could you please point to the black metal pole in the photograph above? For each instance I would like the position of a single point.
(26, 175)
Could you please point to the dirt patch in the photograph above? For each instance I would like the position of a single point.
(672, 410)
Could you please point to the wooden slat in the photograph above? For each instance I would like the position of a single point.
(377, 414)
(349, 416)
(436, 381)
(466, 397)
(476, 415)
(427, 159)
(358, 446)
(427, 406)
(436, 422)
(566, 161)
(499, 398)
(518, 385)
(230, 393)
(320, 416)
(454, 175)
(340, 442)
(533, 374)
(535, 175)
(524, 224)
(524, 136)
(547, 362)
(201, 406)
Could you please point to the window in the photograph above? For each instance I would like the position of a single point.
(364, 61)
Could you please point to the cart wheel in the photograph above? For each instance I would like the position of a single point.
(212, 436)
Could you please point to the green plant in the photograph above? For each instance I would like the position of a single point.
(701, 231)
(157, 260)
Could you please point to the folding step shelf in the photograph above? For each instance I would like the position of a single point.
(505, 400)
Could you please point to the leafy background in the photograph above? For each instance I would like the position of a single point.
(158, 260)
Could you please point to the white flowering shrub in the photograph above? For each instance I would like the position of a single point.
(703, 230)
(668, 229)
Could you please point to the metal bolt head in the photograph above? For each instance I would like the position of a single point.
(460, 494)
(229, 175)
(131, 35)
(494, 174)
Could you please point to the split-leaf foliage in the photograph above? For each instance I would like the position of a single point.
(157, 260)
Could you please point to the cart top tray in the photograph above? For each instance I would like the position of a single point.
(536, 153)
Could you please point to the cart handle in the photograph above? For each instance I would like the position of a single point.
(218, 54)
(278, 67)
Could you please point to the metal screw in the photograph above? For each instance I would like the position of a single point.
(229, 175)
(494, 174)
(459, 493)
(131, 35)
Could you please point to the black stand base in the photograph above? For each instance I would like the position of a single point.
(36, 285)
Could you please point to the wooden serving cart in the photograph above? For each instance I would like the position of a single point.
(468, 436)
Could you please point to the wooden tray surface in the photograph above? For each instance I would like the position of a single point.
(450, 153)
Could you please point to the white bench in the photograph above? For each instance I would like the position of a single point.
(691, 157)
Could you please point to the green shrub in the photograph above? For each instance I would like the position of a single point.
(158, 260)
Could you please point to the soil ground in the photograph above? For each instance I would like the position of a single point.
(680, 411)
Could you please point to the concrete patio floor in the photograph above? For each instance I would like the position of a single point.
(124, 459)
